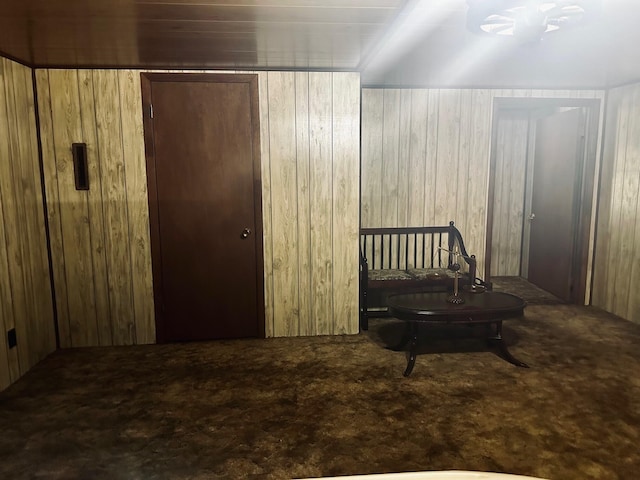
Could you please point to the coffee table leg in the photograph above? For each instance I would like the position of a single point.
(406, 336)
(412, 349)
(502, 348)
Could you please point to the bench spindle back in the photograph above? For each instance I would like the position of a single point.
(408, 247)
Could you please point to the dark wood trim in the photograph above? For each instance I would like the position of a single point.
(585, 190)
(146, 82)
(16, 59)
(240, 69)
(257, 197)
(154, 77)
(526, 196)
(152, 192)
(45, 209)
(600, 154)
(580, 185)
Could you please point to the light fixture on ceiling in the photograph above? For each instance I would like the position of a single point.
(527, 20)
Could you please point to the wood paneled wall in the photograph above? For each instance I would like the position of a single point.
(100, 238)
(426, 155)
(617, 265)
(25, 291)
(313, 126)
(509, 192)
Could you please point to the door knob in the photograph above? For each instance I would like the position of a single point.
(532, 216)
(245, 233)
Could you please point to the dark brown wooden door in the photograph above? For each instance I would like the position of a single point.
(205, 206)
(556, 179)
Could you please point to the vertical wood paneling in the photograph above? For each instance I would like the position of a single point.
(267, 231)
(390, 157)
(508, 203)
(371, 164)
(461, 176)
(633, 259)
(25, 292)
(9, 361)
(598, 140)
(604, 271)
(474, 231)
(35, 325)
(617, 235)
(313, 152)
(9, 366)
(618, 164)
(503, 131)
(321, 187)
(282, 143)
(417, 154)
(95, 207)
(99, 237)
(306, 321)
(346, 155)
(115, 207)
(41, 335)
(626, 189)
(137, 206)
(54, 207)
(457, 144)
(417, 171)
(516, 194)
(404, 157)
(74, 215)
(309, 189)
(371, 157)
(14, 215)
(446, 171)
(616, 270)
(431, 159)
(21, 132)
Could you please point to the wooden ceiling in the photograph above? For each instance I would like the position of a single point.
(328, 34)
(392, 42)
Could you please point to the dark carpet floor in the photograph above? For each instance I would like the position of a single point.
(322, 406)
(519, 286)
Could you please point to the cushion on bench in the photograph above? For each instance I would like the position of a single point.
(389, 274)
(431, 273)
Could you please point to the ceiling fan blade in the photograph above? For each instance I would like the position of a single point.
(526, 17)
(563, 11)
(498, 28)
(497, 19)
(573, 9)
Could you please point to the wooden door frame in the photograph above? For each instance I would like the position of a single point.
(146, 80)
(584, 214)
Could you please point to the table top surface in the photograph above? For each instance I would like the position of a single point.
(434, 304)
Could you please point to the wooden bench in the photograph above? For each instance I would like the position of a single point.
(409, 259)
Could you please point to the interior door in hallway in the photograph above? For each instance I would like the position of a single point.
(557, 177)
(203, 167)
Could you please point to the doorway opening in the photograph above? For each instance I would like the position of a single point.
(541, 186)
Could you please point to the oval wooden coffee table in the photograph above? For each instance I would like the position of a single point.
(489, 308)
